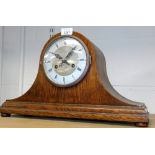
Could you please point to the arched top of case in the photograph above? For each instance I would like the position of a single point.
(95, 87)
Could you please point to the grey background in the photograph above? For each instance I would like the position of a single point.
(129, 52)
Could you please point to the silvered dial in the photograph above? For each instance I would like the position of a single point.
(66, 61)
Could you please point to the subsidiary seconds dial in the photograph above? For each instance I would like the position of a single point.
(66, 61)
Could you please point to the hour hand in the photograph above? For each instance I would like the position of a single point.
(57, 56)
(64, 61)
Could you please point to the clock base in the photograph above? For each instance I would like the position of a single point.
(135, 114)
(5, 115)
(141, 124)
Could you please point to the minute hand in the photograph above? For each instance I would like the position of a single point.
(69, 54)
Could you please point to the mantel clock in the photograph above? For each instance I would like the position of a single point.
(72, 82)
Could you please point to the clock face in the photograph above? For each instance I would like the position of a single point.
(66, 61)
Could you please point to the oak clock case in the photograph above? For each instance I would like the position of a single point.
(89, 95)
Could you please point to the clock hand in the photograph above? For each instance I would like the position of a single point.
(64, 61)
(67, 63)
(57, 56)
(70, 53)
(74, 48)
(72, 65)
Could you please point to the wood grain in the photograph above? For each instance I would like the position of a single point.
(91, 98)
(18, 121)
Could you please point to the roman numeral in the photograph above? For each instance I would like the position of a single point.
(47, 61)
(73, 77)
(56, 45)
(50, 70)
(79, 69)
(56, 76)
(64, 80)
(82, 60)
(80, 49)
(65, 43)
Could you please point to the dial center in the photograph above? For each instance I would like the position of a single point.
(65, 61)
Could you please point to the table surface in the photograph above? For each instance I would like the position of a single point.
(16, 121)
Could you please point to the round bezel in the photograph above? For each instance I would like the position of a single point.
(86, 67)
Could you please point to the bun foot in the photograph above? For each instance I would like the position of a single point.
(5, 115)
(141, 124)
